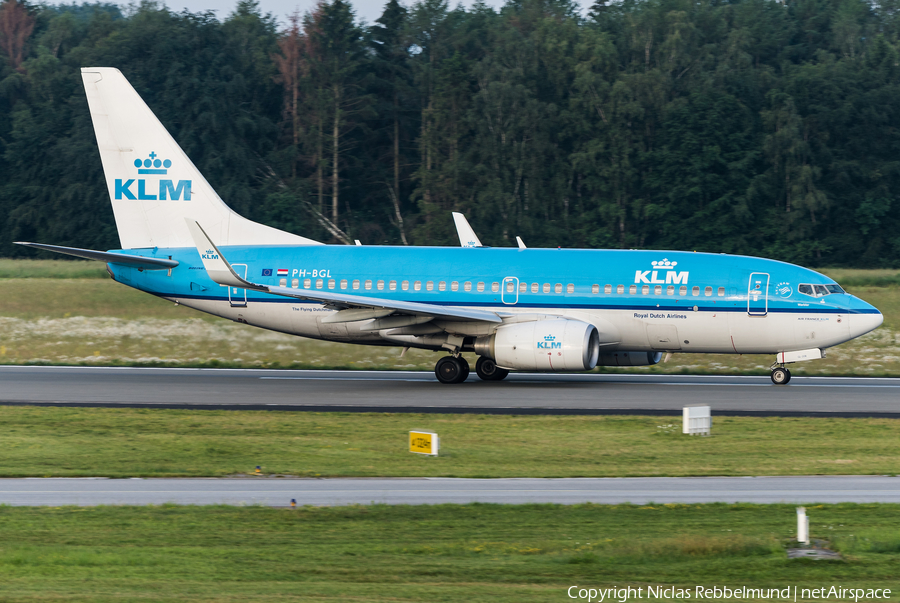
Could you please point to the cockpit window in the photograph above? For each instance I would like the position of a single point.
(819, 290)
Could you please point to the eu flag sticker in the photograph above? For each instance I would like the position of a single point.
(267, 272)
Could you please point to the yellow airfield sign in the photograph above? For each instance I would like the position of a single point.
(423, 442)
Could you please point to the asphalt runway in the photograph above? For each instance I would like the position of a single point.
(390, 391)
(418, 491)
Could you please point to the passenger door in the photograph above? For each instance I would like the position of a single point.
(238, 297)
(758, 294)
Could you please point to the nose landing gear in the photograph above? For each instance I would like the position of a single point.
(452, 370)
(781, 376)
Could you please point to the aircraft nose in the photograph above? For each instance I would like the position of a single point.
(861, 324)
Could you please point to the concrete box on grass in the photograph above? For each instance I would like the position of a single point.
(697, 419)
(424, 442)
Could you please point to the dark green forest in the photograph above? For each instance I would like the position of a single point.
(742, 126)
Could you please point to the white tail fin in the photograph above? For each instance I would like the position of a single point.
(153, 186)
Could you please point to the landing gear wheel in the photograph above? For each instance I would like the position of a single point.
(488, 370)
(451, 370)
(781, 376)
(465, 367)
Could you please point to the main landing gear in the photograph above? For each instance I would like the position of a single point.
(488, 370)
(781, 376)
(451, 369)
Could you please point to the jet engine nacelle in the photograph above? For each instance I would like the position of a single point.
(543, 345)
(630, 359)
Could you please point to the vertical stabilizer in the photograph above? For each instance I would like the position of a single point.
(152, 184)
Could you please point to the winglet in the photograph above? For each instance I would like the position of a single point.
(467, 236)
(520, 242)
(217, 267)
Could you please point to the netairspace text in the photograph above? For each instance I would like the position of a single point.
(791, 593)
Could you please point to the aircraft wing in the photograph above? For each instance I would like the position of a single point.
(221, 272)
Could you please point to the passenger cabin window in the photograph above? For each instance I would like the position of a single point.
(510, 287)
(645, 290)
(670, 290)
(307, 283)
(356, 284)
(343, 283)
(405, 285)
(596, 289)
(570, 288)
(632, 289)
(392, 285)
(682, 290)
(558, 288)
(708, 292)
(535, 287)
(620, 289)
(282, 282)
(381, 285)
(523, 287)
(495, 287)
(319, 283)
(454, 286)
(429, 286)
(442, 286)
(331, 283)
(480, 286)
(417, 286)
(467, 286)
(607, 288)
(721, 291)
(546, 287)
(695, 291)
(295, 283)
(368, 285)
(657, 290)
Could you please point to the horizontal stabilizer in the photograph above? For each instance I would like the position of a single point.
(106, 256)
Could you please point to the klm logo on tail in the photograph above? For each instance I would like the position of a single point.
(165, 190)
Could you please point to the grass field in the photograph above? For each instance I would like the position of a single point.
(159, 443)
(471, 553)
(57, 312)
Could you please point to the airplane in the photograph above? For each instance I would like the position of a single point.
(517, 309)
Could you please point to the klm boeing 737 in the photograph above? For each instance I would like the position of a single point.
(516, 308)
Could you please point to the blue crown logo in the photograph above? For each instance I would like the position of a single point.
(153, 165)
(549, 338)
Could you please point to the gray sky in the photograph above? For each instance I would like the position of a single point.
(365, 9)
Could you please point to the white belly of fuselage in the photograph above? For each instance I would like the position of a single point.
(631, 330)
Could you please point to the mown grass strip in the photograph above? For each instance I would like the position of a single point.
(439, 553)
(173, 443)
